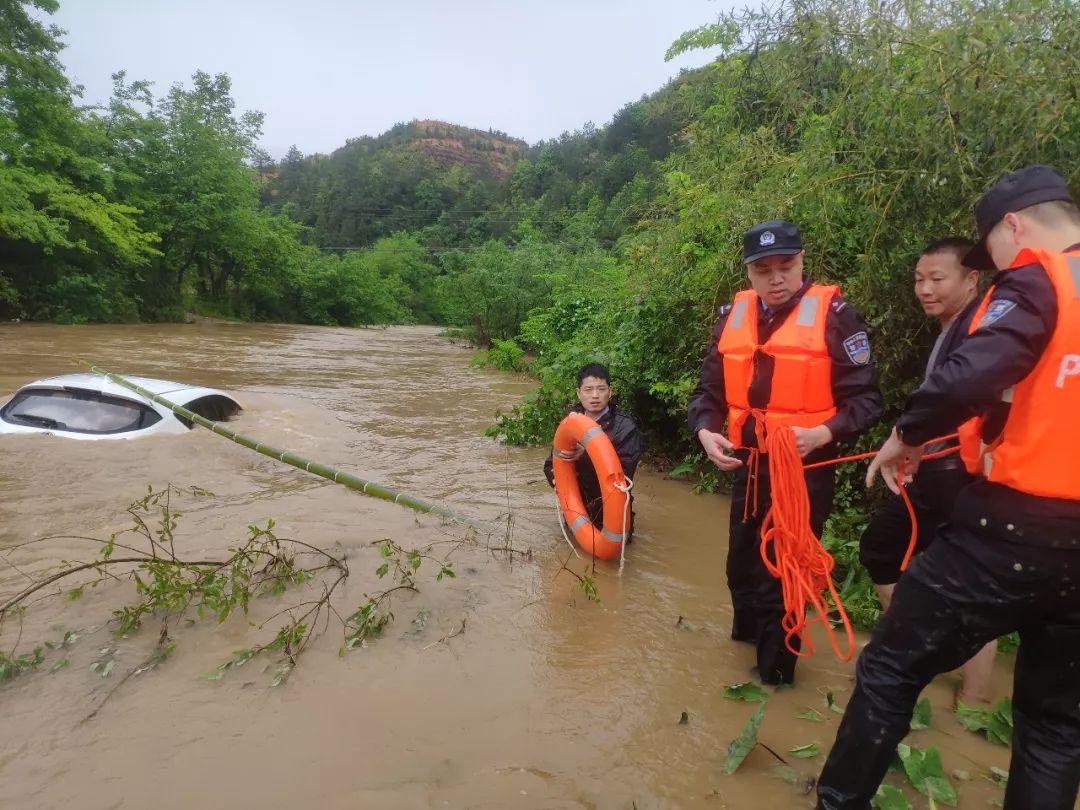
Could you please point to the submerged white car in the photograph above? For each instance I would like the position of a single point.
(89, 406)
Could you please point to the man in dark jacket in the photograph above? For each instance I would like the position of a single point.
(594, 397)
(1009, 558)
(827, 394)
(948, 292)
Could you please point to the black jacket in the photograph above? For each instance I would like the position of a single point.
(855, 391)
(955, 335)
(624, 436)
(970, 382)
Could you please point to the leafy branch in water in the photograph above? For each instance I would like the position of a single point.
(172, 590)
(586, 580)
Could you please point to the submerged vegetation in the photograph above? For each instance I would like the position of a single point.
(173, 593)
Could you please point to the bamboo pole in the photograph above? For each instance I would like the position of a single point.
(349, 480)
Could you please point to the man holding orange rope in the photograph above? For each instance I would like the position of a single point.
(948, 292)
(786, 352)
(1009, 559)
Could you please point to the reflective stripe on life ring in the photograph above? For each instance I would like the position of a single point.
(604, 543)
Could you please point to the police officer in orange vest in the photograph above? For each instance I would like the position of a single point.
(785, 352)
(1009, 559)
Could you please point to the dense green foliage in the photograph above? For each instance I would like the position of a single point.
(151, 205)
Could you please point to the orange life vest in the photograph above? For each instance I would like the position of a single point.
(801, 394)
(1037, 449)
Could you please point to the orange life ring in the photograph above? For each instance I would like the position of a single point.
(603, 543)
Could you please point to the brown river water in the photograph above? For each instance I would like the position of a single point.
(546, 700)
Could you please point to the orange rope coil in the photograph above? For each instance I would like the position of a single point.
(792, 552)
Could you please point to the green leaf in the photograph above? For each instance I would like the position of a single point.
(890, 798)
(785, 772)
(63, 663)
(812, 715)
(995, 723)
(682, 469)
(382, 570)
(805, 751)
(742, 745)
(1001, 776)
(833, 705)
(920, 719)
(75, 593)
(924, 771)
(747, 691)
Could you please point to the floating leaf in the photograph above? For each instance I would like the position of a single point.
(805, 751)
(108, 668)
(684, 718)
(813, 715)
(831, 701)
(924, 771)
(920, 719)
(962, 775)
(742, 745)
(995, 723)
(746, 691)
(785, 772)
(61, 664)
(1001, 776)
(890, 798)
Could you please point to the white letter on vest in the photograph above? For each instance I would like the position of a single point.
(1070, 367)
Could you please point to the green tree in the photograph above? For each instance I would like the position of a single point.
(58, 212)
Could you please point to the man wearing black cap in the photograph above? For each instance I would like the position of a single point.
(1009, 559)
(785, 352)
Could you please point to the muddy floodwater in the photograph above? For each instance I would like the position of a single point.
(544, 699)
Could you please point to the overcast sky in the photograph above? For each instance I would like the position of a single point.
(327, 70)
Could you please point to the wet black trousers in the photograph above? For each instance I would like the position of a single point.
(756, 595)
(970, 587)
(885, 540)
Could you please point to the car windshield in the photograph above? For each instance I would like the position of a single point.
(77, 410)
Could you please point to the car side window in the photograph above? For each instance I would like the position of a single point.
(77, 410)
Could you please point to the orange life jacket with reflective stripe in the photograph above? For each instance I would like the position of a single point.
(801, 393)
(1037, 450)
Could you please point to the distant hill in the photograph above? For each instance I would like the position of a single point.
(407, 178)
(495, 152)
(456, 186)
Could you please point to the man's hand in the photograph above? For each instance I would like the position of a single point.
(891, 458)
(716, 445)
(807, 440)
(569, 455)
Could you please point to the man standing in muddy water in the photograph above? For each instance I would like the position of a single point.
(785, 352)
(948, 292)
(1009, 557)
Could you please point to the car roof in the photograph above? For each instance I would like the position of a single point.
(178, 393)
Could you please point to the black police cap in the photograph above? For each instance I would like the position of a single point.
(1014, 192)
(773, 238)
